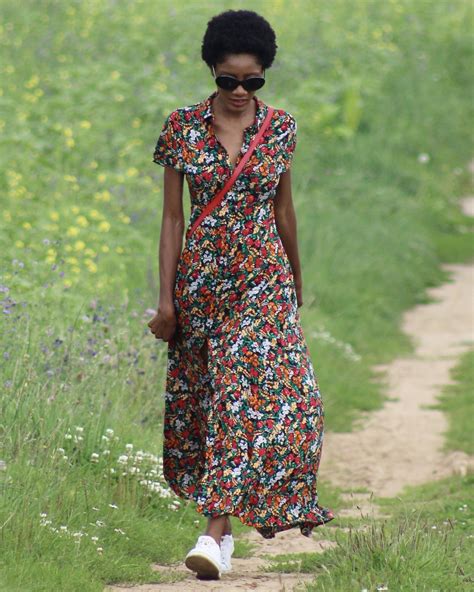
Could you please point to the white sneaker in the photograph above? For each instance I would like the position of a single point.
(205, 558)
(227, 548)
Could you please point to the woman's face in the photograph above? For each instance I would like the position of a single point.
(241, 66)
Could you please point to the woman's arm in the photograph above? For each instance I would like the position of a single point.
(285, 219)
(171, 236)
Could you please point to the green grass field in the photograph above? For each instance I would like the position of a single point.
(380, 91)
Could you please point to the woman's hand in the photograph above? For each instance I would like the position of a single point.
(163, 324)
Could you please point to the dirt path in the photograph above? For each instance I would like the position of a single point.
(398, 445)
(247, 574)
(401, 443)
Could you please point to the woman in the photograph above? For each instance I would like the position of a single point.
(243, 424)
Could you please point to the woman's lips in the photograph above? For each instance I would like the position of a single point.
(238, 102)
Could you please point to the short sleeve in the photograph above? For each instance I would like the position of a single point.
(168, 148)
(292, 127)
(287, 141)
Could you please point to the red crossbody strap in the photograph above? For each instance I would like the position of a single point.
(215, 201)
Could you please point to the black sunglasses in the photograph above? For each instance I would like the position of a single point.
(231, 83)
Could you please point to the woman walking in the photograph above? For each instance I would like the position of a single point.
(243, 426)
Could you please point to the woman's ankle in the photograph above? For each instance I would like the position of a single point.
(227, 526)
(216, 528)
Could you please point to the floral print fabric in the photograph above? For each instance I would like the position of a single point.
(243, 427)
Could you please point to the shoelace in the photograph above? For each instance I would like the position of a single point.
(207, 542)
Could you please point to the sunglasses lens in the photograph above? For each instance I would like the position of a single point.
(253, 83)
(227, 82)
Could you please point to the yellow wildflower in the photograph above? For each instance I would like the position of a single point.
(132, 172)
(75, 210)
(160, 87)
(105, 248)
(91, 266)
(76, 269)
(26, 225)
(94, 214)
(54, 216)
(79, 245)
(101, 177)
(82, 221)
(72, 231)
(14, 178)
(104, 226)
(86, 124)
(102, 195)
(118, 249)
(29, 98)
(67, 283)
(20, 244)
(32, 82)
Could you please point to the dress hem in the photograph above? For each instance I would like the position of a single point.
(269, 532)
(322, 516)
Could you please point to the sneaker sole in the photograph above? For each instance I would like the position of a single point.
(203, 565)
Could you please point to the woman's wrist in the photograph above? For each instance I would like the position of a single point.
(165, 304)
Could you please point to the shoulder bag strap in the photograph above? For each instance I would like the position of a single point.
(218, 198)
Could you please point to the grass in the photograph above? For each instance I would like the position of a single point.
(456, 401)
(427, 544)
(379, 93)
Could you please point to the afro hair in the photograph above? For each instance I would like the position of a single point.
(239, 31)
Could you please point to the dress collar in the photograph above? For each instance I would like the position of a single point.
(206, 111)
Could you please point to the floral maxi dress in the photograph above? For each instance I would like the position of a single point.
(243, 426)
